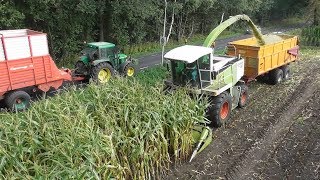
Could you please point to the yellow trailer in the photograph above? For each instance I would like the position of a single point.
(271, 59)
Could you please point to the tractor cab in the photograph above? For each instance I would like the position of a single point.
(198, 68)
(97, 51)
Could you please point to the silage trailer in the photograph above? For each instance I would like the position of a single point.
(26, 66)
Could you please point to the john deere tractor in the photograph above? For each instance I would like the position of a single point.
(102, 60)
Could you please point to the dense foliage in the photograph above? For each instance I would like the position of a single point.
(122, 129)
(128, 22)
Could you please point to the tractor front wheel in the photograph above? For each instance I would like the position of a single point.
(17, 100)
(219, 110)
(129, 70)
(102, 72)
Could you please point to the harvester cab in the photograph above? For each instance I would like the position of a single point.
(205, 73)
(102, 60)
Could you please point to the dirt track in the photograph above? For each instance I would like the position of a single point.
(277, 136)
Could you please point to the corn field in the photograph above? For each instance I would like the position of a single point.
(121, 130)
(311, 36)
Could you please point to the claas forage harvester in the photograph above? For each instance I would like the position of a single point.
(223, 79)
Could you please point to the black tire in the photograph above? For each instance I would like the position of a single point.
(129, 70)
(286, 72)
(276, 76)
(262, 78)
(244, 96)
(17, 100)
(106, 67)
(216, 111)
(80, 68)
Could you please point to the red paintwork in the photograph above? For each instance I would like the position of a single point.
(294, 51)
(40, 72)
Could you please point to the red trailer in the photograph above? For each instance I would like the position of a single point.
(25, 64)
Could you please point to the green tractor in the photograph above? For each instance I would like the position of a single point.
(102, 60)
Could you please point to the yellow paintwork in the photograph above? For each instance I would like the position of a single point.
(104, 75)
(130, 71)
(262, 59)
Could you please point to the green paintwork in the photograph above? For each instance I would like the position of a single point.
(84, 59)
(122, 57)
(202, 136)
(218, 30)
(224, 78)
(101, 45)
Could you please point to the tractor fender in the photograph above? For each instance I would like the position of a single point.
(96, 62)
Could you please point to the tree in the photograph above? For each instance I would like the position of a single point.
(10, 17)
(314, 11)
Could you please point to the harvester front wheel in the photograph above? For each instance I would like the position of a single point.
(219, 110)
(276, 76)
(17, 100)
(243, 99)
(102, 72)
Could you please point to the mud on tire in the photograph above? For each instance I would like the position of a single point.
(219, 110)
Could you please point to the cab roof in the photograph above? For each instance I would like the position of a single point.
(188, 53)
(101, 45)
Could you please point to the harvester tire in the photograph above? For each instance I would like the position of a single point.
(17, 100)
(129, 70)
(276, 76)
(244, 96)
(286, 72)
(219, 110)
(102, 72)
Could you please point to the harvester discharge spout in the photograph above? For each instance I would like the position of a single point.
(219, 29)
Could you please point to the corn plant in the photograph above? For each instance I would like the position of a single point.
(122, 130)
(311, 36)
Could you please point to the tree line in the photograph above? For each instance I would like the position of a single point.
(69, 23)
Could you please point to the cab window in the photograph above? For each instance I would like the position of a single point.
(204, 62)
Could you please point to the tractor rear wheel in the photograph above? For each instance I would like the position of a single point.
(129, 70)
(276, 76)
(102, 72)
(219, 110)
(286, 72)
(17, 100)
(243, 99)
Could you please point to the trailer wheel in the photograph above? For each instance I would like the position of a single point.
(219, 110)
(286, 72)
(129, 70)
(244, 95)
(276, 76)
(17, 100)
(102, 72)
